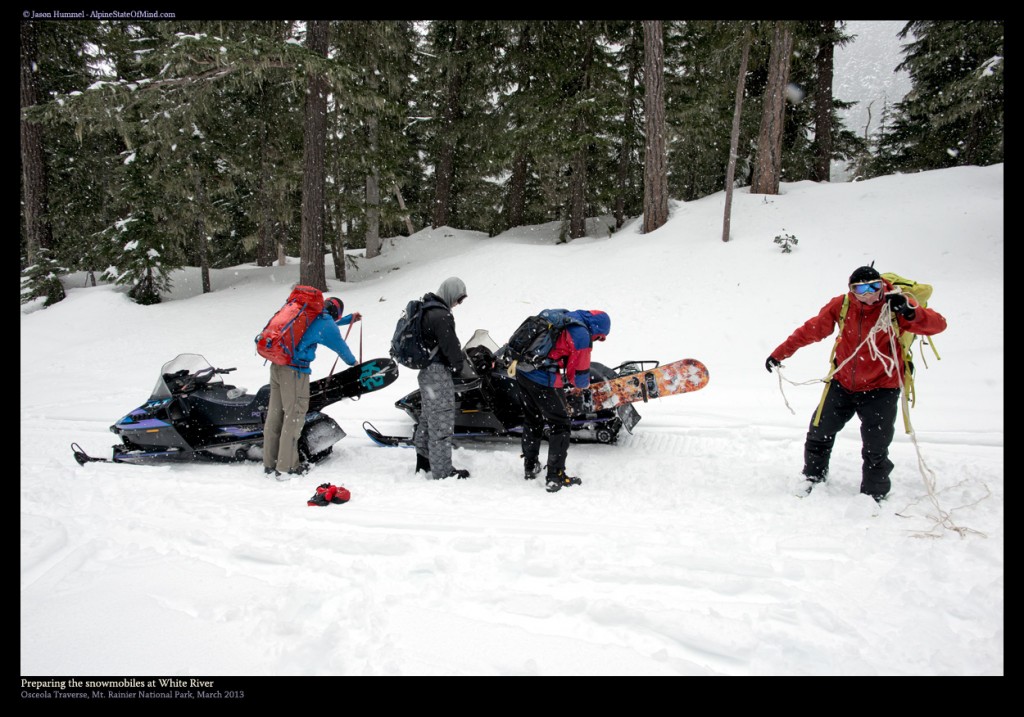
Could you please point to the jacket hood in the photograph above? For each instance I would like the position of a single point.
(452, 290)
(598, 323)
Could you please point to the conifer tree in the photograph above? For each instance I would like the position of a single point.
(953, 114)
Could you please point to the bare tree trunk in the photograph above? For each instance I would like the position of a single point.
(824, 63)
(768, 162)
(405, 215)
(655, 155)
(734, 138)
(372, 197)
(311, 262)
(38, 233)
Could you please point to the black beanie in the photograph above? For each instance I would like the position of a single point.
(865, 273)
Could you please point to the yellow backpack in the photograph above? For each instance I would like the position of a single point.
(920, 293)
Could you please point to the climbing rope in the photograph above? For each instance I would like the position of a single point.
(890, 364)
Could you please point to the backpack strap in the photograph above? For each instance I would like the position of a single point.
(832, 359)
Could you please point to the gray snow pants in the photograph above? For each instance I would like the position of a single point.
(286, 415)
(433, 437)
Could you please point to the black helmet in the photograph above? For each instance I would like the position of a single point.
(864, 274)
(335, 307)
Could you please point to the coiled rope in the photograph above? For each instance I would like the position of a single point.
(890, 364)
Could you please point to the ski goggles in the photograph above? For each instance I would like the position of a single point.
(869, 287)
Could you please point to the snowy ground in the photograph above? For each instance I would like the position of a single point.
(683, 552)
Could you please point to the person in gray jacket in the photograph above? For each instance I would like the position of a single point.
(433, 436)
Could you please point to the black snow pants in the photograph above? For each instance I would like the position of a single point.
(543, 404)
(877, 411)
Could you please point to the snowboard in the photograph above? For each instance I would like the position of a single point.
(683, 376)
(354, 381)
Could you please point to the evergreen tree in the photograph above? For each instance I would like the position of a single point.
(41, 280)
(701, 62)
(953, 114)
(372, 158)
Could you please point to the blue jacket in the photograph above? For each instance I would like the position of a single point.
(322, 331)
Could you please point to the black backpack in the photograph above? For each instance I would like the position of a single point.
(407, 345)
(530, 344)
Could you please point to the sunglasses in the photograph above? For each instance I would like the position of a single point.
(868, 288)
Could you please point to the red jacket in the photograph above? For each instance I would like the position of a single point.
(864, 372)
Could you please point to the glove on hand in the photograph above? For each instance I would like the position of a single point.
(898, 304)
(588, 400)
(578, 401)
(771, 362)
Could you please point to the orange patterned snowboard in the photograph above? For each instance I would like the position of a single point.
(682, 376)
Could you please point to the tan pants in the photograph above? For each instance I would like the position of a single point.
(286, 415)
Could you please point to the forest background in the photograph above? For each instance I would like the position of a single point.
(148, 145)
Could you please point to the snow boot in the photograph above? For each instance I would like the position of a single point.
(806, 483)
(531, 469)
(559, 479)
(422, 463)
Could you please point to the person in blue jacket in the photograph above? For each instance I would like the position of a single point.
(544, 403)
(289, 391)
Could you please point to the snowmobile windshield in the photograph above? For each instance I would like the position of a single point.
(481, 337)
(177, 372)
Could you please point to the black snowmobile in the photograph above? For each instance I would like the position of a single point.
(193, 415)
(488, 402)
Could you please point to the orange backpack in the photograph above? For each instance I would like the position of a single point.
(282, 334)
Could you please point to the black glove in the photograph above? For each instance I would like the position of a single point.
(771, 362)
(579, 402)
(588, 400)
(898, 305)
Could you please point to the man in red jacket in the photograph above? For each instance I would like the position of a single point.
(868, 374)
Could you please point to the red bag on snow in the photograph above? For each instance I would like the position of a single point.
(282, 334)
(327, 493)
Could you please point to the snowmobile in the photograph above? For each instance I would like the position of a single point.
(192, 415)
(488, 402)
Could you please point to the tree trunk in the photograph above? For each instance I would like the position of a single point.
(38, 234)
(311, 262)
(200, 232)
(444, 170)
(768, 161)
(622, 173)
(734, 138)
(517, 190)
(655, 154)
(824, 62)
(338, 253)
(265, 248)
(372, 236)
(578, 163)
(405, 215)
